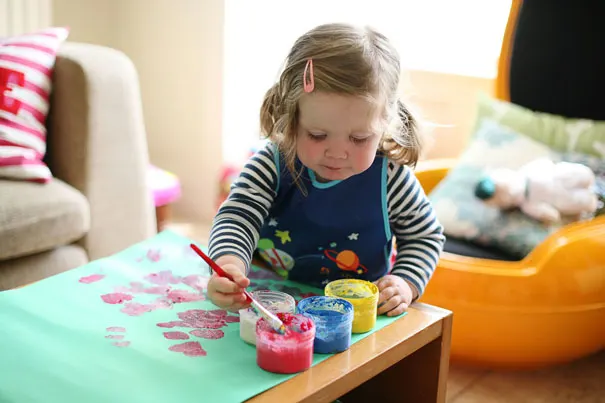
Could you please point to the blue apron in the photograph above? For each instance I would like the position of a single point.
(340, 229)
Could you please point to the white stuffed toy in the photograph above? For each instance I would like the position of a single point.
(542, 189)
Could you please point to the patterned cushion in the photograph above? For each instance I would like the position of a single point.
(557, 132)
(466, 217)
(26, 65)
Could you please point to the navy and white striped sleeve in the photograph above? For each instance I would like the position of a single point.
(418, 233)
(236, 226)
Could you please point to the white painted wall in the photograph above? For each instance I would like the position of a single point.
(22, 16)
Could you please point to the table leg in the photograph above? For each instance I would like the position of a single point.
(419, 378)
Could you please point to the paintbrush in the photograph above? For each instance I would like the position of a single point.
(270, 317)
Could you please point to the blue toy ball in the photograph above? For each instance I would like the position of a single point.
(485, 189)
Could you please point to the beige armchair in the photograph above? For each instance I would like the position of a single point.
(98, 203)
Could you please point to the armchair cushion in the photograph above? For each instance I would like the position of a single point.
(465, 217)
(36, 218)
(560, 133)
(26, 66)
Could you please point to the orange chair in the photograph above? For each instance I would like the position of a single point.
(549, 307)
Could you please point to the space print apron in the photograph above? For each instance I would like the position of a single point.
(340, 229)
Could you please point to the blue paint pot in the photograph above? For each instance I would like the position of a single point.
(333, 318)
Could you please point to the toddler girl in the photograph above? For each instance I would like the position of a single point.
(324, 199)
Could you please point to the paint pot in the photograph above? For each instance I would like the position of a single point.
(333, 318)
(274, 301)
(363, 295)
(285, 353)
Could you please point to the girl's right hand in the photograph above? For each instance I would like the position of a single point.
(227, 294)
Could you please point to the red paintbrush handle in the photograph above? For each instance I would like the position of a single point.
(217, 268)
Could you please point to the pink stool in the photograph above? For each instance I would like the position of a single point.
(166, 189)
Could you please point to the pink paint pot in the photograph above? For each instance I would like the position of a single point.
(287, 353)
(274, 301)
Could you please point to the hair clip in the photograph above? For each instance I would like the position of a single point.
(308, 86)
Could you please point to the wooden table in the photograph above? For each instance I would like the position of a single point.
(406, 361)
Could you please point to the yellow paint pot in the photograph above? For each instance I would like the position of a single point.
(363, 295)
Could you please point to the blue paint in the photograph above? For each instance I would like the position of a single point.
(333, 318)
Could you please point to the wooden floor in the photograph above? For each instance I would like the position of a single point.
(580, 382)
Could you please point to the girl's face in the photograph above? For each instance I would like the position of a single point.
(337, 135)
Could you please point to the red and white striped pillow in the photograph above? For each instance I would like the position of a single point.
(26, 66)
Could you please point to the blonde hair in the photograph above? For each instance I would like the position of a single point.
(347, 60)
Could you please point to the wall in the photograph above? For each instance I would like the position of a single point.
(88, 20)
(19, 16)
(447, 104)
(177, 49)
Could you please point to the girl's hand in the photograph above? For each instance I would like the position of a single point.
(227, 294)
(395, 296)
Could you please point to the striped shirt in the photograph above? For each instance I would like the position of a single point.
(418, 234)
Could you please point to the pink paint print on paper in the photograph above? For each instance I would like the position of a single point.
(117, 334)
(189, 348)
(116, 298)
(176, 335)
(164, 290)
(206, 324)
(153, 255)
(93, 278)
(162, 285)
(163, 277)
(212, 334)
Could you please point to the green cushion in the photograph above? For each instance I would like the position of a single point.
(560, 133)
(466, 217)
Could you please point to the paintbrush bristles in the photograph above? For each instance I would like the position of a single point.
(270, 317)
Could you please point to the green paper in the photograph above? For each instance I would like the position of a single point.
(56, 345)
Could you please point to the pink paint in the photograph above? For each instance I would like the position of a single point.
(189, 348)
(232, 319)
(170, 325)
(116, 298)
(139, 288)
(116, 329)
(176, 335)
(195, 281)
(201, 319)
(161, 303)
(180, 296)
(163, 277)
(212, 334)
(136, 309)
(136, 286)
(154, 255)
(93, 278)
(157, 290)
(115, 336)
(121, 343)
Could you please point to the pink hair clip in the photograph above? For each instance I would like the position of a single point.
(308, 86)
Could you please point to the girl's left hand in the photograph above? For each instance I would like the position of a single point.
(395, 295)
